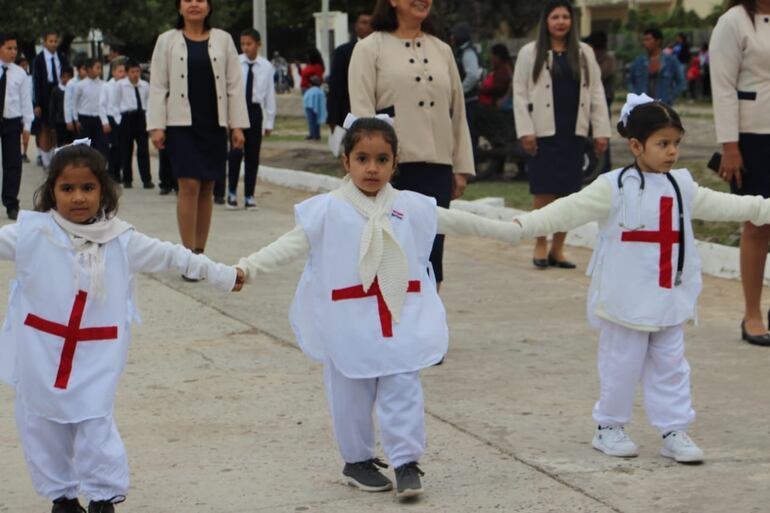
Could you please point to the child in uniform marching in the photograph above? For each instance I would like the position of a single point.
(109, 114)
(24, 63)
(646, 275)
(16, 116)
(65, 339)
(69, 94)
(46, 75)
(367, 306)
(131, 97)
(57, 108)
(87, 110)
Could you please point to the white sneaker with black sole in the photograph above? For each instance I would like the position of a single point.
(365, 476)
(250, 204)
(680, 447)
(232, 202)
(613, 441)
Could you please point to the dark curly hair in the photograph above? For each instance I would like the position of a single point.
(647, 119)
(78, 155)
(368, 127)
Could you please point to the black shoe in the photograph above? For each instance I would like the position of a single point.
(365, 476)
(101, 507)
(148, 185)
(408, 480)
(540, 263)
(757, 340)
(65, 505)
(165, 191)
(13, 213)
(127, 185)
(563, 264)
(219, 200)
(190, 280)
(25, 159)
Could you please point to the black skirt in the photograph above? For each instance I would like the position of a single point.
(197, 153)
(755, 150)
(557, 168)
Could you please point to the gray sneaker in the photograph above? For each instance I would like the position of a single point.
(365, 476)
(408, 480)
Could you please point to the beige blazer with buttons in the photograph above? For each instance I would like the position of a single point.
(533, 101)
(417, 83)
(169, 104)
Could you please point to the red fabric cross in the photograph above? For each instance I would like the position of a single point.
(665, 236)
(72, 333)
(358, 292)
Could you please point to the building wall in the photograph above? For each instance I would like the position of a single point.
(599, 13)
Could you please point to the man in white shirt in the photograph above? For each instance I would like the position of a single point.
(110, 116)
(131, 97)
(260, 100)
(16, 117)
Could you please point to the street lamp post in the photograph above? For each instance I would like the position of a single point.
(260, 23)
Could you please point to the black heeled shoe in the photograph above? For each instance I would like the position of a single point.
(540, 263)
(757, 340)
(563, 264)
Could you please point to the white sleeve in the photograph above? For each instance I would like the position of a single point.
(149, 255)
(104, 104)
(287, 248)
(68, 103)
(117, 94)
(710, 205)
(76, 92)
(457, 222)
(564, 214)
(270, 108)
(27, 110)
(9, 235)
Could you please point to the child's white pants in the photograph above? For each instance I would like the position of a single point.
(628, 356)
(67, 460)
(400, 411)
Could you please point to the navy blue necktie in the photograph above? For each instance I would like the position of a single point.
(249, 83)
(3, 82)
(138, 99)
(55, 80)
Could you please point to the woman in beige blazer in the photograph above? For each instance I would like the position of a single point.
(405, 71)
(196, 95)
(557, 96)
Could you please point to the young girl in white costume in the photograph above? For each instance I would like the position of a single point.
(646, 275)
(366, 305)
(65, 338)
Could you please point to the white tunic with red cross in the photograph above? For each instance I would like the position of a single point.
(334, 317)
(634, 266)
(70, 348)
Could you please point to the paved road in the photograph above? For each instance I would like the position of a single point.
(222, 413)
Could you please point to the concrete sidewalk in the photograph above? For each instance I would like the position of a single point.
(222, 413)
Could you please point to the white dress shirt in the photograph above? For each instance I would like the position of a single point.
(48, 70)
(69, 105)
(107, 103)
(86, 98)
(263, 91)
(18, 99)
(125, 97)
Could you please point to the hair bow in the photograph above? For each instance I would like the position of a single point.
(350, 119)
(632, 102)
(86, 141)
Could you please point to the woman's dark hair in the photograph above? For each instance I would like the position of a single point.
(647, 119)
(367, 127)
(77, 155)
(501, 52)
(384, 19)
(206, 22)
(314, 56)
(543, 41)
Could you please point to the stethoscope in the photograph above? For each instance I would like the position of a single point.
(639, 226)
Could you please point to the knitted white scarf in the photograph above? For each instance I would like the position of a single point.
(380, 255)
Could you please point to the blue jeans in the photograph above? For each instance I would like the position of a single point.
(314, 129)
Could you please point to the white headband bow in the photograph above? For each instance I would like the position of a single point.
(632, 102)
(350, 119)
(76, 142)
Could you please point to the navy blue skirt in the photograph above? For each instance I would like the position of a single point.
(557, 166)
(197, 153)
(755, 150)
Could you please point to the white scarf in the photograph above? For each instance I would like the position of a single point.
(380, 255)
(89, 241)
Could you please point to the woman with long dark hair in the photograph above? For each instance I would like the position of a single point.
(196, 95)
(739, 52)
(557, 96)
(405, 71)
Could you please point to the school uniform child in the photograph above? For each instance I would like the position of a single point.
(131, 97)
(314, 101)
(88, 113)
(69, 95)
(16, 116)
(24, 63)
(646, 275)
(109, 114)
(46, 75)
(260, 100)
(76, 263)
(57, 108)
(367, 306)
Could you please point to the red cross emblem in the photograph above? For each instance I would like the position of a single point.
(358, 292)
(665, 236)
(72, 333)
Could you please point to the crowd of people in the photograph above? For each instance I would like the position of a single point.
(409, 104)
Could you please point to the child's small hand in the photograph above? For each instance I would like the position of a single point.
(240, 279)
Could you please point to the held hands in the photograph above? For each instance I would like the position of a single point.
(237, 137)
(732, 164)
(158, 138)
(529, 143)
(240, 279)
(600, 145)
